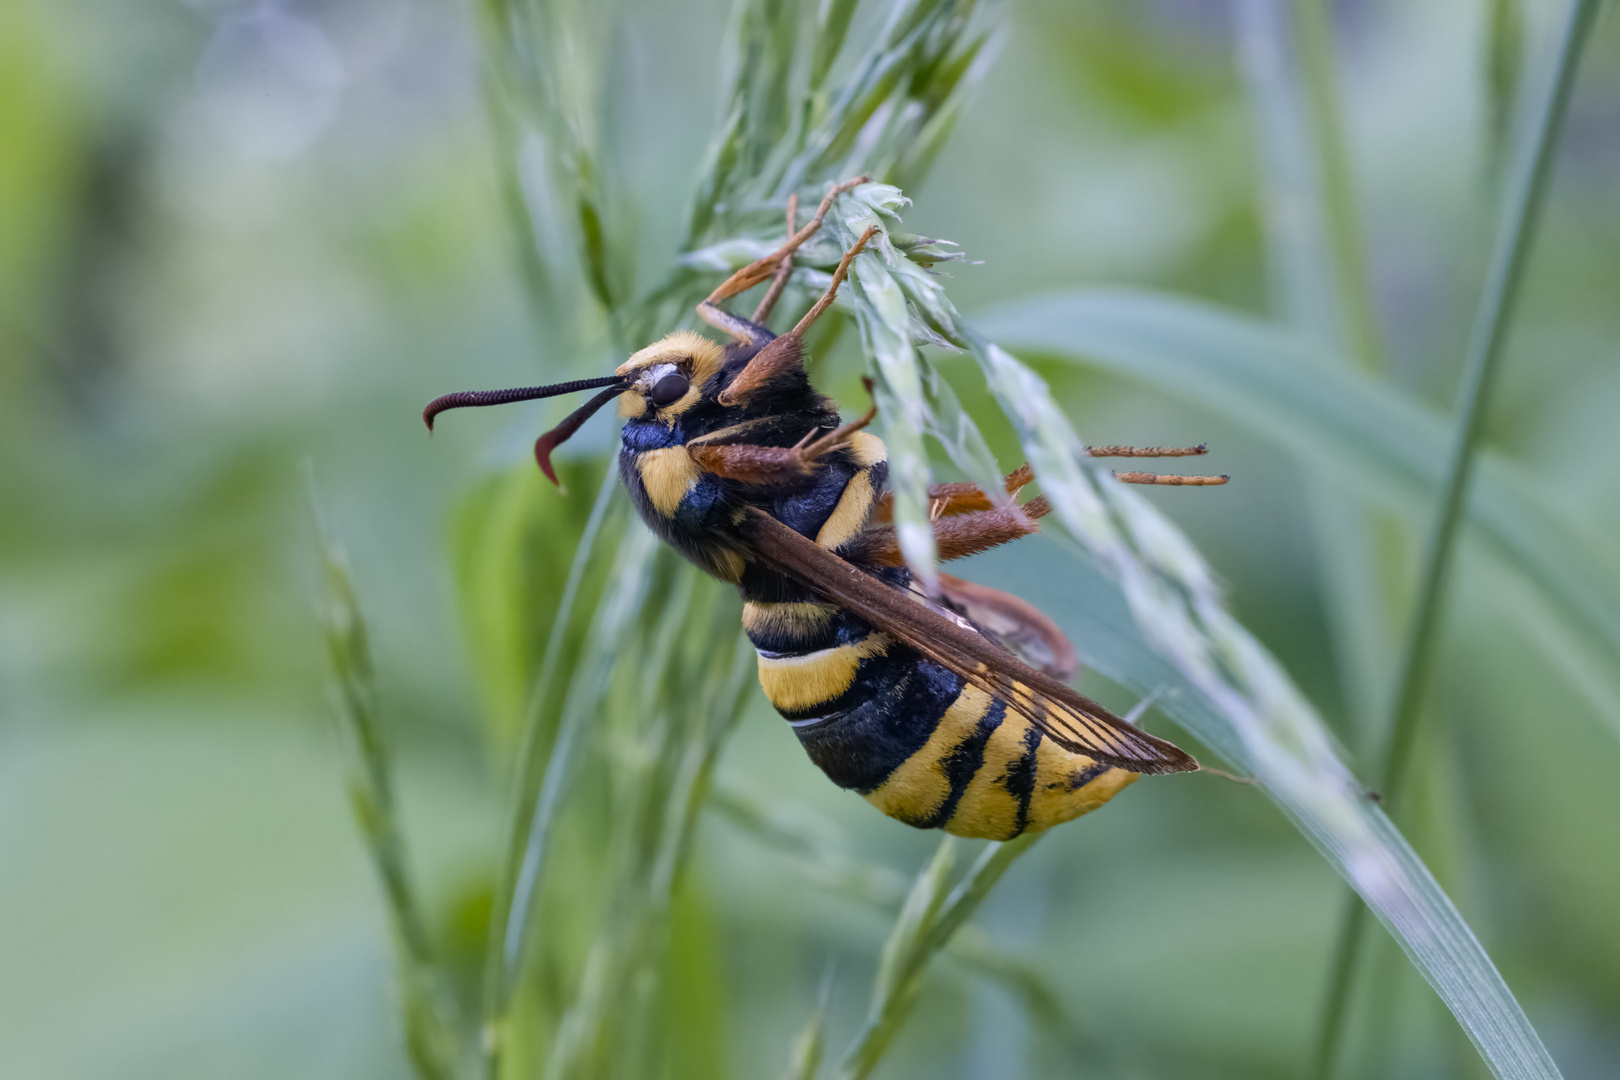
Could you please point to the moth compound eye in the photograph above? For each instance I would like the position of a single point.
(668, 390)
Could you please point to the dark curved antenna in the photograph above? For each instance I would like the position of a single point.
(469, 398)
(545, 444)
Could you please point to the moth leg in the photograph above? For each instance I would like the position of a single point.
(783, 272)
(838, 436)
(832, 290)
(1148, 451)
(766, 465)
(946, 500)
(1171, 479)
(955, 537)
(757, 466)
(760, 269)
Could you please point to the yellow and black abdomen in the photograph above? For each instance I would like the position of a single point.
(912, 737)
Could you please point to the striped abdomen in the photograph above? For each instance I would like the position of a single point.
(913, 738)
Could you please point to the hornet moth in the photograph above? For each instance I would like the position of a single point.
(922, 705)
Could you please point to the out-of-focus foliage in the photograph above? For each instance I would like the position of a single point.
(236, 235)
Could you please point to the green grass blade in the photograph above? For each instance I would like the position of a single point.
(1503, 61)
(427, 1009)
(927, 922)
(1385, 443)
(1342, 216)
(832, 24)
(1482, 362)
(584, 696)
(1521, 212)
(898, 975)
(1231, 694)
(1319, 286)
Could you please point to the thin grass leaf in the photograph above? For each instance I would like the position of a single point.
(926, 924)
(584, 695)
(525, 847)
(702, 679)
(1520, 215)
(832, 24)
(815, 850)
(1503, 63)
(1389, 446)
(1345, 251)
(427, 1008)
(808, 1049)
(1233, 696)
(895, 986)
(1319, 286)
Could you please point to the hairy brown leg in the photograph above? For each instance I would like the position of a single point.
(1170, 480)
(956, 537)
(783, 272)
(762, 268)
(1147, 451)
(832, 290)
(785, 352)
(765, 465)
(945, 500)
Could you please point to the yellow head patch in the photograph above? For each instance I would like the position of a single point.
(697, 356)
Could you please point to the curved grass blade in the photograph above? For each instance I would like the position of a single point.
(928, 920)
(1521, 213)
(1387, 444)
(427, 1008)
(584, 695)
(1236, 698)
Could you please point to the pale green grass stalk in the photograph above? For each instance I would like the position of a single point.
(930, 918)
(815, 851)
(1377, 441)
(804, 1063)
(510, 927)
(1345, 251)
(1521, 213)
(426, 1008)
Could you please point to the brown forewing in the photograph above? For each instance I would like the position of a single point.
(1064, 715)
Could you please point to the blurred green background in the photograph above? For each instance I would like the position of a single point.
(238, 236)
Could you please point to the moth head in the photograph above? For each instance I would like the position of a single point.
(669, 376)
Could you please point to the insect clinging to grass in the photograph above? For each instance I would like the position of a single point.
(921, 704)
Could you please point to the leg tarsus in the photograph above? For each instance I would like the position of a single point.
(836, 438)
(760, 269)
(735, 325)
(832, 290)
(783, 272)
(1148, 451)
(947, 500)
(1170, 480)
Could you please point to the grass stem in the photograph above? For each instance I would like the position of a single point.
(427, 1010)
(925, 926)
(1341, 219)
(1521, 212)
